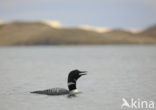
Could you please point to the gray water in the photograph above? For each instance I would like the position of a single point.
(114, 72)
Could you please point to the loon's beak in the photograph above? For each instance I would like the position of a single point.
(83, 73)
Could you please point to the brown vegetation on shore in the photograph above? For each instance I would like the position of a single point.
(38, 33)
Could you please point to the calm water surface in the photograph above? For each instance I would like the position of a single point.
(114, 72)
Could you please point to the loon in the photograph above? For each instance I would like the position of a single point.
(72, 78)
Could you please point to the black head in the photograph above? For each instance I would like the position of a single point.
(73, 77)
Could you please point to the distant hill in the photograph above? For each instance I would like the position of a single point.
(151, 31)
(39, 33)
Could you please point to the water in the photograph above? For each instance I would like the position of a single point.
(114, 72)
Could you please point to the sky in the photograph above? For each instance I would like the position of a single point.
(134, 14)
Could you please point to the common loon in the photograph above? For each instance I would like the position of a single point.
(72, 78)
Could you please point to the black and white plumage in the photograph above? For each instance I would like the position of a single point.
(72, 78)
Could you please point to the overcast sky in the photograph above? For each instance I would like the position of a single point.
(101, 13)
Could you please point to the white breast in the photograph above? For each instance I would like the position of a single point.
(73, 92)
